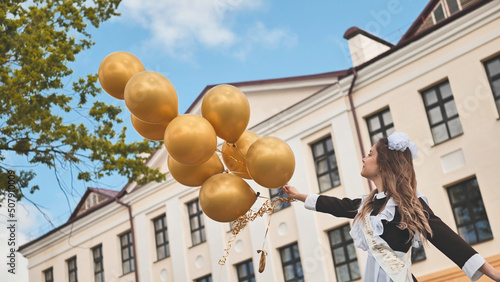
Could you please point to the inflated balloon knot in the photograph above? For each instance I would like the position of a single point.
(258, 194)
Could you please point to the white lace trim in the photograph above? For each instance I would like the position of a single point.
(376, 221)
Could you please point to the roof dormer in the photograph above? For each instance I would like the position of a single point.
(93, 198)
(438, 11)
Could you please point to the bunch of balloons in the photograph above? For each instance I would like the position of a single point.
(191, 140)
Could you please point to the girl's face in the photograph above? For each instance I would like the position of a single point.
(370, 166)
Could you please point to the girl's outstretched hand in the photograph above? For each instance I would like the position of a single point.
(293, 193)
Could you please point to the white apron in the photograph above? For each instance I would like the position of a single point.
(396, 267)
(383, 264)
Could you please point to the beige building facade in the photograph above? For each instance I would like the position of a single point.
(440, 84)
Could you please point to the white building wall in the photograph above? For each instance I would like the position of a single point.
(177, 249)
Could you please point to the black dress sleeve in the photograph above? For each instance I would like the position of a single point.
(447, 240)
(338, 207)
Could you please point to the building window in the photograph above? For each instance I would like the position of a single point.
(72, 273)
(327, 170)
(453, 6)
(245, 271)
(493, 71)
(49, 275)
(207, 278)
(197, 222)
(92, 200)
(418, 254)
(161, 237)
(277, 193)
(98, 265)
(344, 255)
(442, 112)
(438, 13)
(290, 260)
(444, 9)
(127, 252)
(380, 125)
(469, 212)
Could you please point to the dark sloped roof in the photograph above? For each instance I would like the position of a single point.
(105, 192)
(420, 28)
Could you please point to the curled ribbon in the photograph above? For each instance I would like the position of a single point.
(239, 224)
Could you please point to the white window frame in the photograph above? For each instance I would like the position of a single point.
(446, 9)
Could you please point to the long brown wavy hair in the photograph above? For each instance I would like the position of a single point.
(398, 179)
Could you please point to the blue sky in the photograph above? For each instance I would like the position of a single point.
(196, 43)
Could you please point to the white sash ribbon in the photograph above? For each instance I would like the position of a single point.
(398, 269)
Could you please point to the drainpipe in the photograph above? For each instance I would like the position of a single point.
(136, 271)
(355, 117)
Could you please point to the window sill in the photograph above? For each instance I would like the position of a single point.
(447, 140)
(161, 259)
(321, 192)
(192, 246)
(125, 274)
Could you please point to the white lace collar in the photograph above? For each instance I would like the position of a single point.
(387, 214)
(380, 195)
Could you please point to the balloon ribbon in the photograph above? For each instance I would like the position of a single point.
(239, 224)
(231, 157)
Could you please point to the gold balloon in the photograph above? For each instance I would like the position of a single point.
(151, 97)
(228, 110)
(270, 162)
(224, 197)
(150, 131)
(194, 175)
(116, 69)
(234, 155)
(190, 139)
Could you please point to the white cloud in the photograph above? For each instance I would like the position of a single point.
(180, 27)
(271, 38)
(261, 36)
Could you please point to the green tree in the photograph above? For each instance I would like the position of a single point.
(37, 41)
